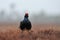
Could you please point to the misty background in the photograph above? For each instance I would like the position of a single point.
(40, 11)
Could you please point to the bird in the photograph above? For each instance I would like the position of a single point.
(25, 24)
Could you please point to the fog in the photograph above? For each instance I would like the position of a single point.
(43, 17)
(35, 17)
(40, 11)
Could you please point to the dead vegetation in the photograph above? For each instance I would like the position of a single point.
(14, 33)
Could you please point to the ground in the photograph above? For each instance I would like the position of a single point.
(38, 32)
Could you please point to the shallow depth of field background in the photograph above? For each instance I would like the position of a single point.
(43, 14)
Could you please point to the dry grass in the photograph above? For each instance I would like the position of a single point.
(38, 32)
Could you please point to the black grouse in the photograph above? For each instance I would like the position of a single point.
(25, 24)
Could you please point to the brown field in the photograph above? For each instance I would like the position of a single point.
(38, 32)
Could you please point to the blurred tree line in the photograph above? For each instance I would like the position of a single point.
(43, 18)
(14, 16)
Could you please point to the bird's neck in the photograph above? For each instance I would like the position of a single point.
(25, 19)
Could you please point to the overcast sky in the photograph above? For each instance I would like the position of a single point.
(32, 5)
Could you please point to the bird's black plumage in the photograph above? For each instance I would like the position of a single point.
(25, 24)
